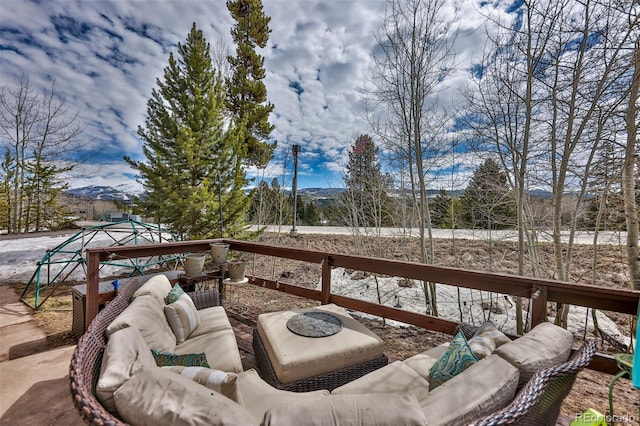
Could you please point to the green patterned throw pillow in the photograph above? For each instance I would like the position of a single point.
(188, 360)
(174, 294)
(457, 359)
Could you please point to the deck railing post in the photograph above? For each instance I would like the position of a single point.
(93, 278)
(325, 294)
(538, 305)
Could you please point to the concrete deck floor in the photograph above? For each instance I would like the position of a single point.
(34, 385)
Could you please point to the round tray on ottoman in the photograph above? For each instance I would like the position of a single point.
(314, 324)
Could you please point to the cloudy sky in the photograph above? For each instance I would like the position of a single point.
(105, 57)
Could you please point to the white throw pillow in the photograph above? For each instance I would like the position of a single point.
(482, 345)
(219, 381)
(182, 317)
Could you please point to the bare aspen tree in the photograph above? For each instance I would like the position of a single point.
(571, 64)
(501, 106)
(631, 167)
(40, 132)
(584, 66)
(412, 57)
(583, 91)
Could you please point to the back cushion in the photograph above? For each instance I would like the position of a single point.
(158, 286)
(352, 410)
(147, 315)
(483, 388)
(126, 352)
(156, 396)
(544, 346)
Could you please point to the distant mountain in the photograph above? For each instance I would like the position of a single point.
(126, 193)
(120, 193)
(316, 193)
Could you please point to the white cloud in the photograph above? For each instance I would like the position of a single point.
(106, 56)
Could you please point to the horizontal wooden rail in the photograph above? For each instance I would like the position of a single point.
(284, 287)
(540, 291)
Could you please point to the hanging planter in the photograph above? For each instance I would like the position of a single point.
(219, 252)
(194, 265)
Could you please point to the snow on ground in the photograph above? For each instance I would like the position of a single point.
(19, 258)
(476, 306)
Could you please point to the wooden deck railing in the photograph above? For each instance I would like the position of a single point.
(538, 290)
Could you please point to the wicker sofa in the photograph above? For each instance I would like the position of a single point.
(486, 386)
(148, 394)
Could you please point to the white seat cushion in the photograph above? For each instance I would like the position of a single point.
(220, 347)
(393, 378)
(295, 357)
(422, 363)
(212, 319)
(259, 396)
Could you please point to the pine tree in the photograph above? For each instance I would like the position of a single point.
(487, 202)
(365, 198)
(246, 93)
(270, 205)
(441, 210)
(311, 214)
(190, 172)
(43, 186)
(7, 173)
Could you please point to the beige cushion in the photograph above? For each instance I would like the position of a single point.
(544, 346)
(437, 351)
(182, 317)
(295, 357)
(486, 386)
(393, 378)
(126, 352)
(422, 363)
(349, 410)
(147, 315)
(156, 396)
(157, 285)
(212, 319)
(258, 396)
(220, 347)
(220, 381)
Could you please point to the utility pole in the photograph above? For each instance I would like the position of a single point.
(295, 149)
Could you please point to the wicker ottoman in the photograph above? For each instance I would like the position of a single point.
(296, 363)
